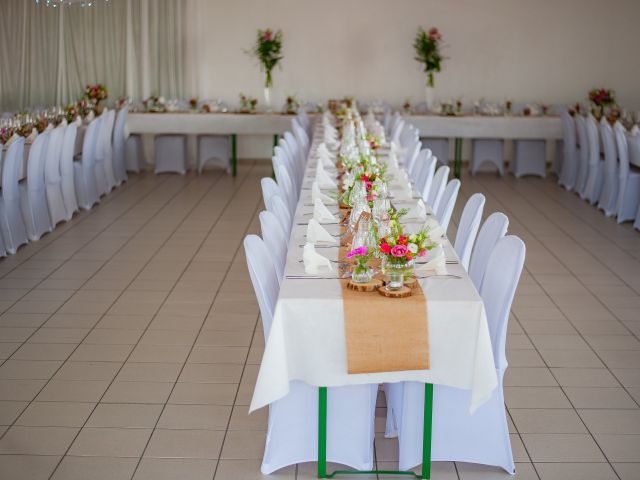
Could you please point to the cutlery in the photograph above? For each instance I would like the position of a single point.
(439, 276)
(323, 246)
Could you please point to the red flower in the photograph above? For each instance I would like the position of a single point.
(267, 35)
(385, 248)
(409, 257)
(403, 240)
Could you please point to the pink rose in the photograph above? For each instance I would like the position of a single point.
(399, 251)
(267, 35)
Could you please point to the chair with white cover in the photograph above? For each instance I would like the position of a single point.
(583, 156)
(134, 153)
(437, 187)
(276, 241)
(214, 149)
(529, 158)
(269, 189)
(411, 154)
(119, 146)
(439, 148)
(296, 172)
(279, 208)
(52, 176)
(447, 203)
(67, 182)
(102, 184)
(291, 434)
(468, 228)
(457, 435)
(487, 150)
(397, 126)
(33, 196)
(628, 180)
(3, 250)
(425, 176)
(12, 224)
(84, 175)
(492, 230)
(286, 185)
(595, 175)
(301, 136)
(609, 194)
(171, 154)
(104, 156)
(569, 170)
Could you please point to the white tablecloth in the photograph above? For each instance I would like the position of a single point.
(307, 341)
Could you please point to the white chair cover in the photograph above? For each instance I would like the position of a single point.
(428, 174)
(457, 435)
(3, 250)
(487, 151)
(595, 176)
(119, 142)
(215, 149)
(84, 171)
(53, 177)
(269, 189)
(12, 225)
(105, 152)
(171, 154)
(437, 187)
(493, 229)
(279, 208)
(134, 154)
(67, 183)
(439, 148)
(569, 171)
(556, 165)
(285, 183)
(583, 156)
(292, 435)
(301, 136)
(275, 240)
(99, 170)
(412, 152)
(468, 228)
(419, 165)
(529, 158)
(628, 180)
(447, 203)
(609, 195)
(33, 196)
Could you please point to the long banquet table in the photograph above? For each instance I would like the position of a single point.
(307, 339)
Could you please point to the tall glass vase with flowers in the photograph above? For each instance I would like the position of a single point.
(268, 51)
(601, 98)
(427, 45)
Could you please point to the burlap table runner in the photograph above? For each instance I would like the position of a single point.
(385, 334)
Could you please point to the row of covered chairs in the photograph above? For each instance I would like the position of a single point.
(55, 184)
(494, 263)
(597, 165)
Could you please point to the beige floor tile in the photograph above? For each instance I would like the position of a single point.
(95, 468)
(27, 467)
(168, 337)
(562, 448)
(571, 358)
(160, 353)
(138, 392)
(529, 377)
(15, 334)
(204, 393)
(250, 470)
(242, 420)
(539, 420)
(44, 351)
(176, 468)
(211, 354)
(587, 397)
(29, 369)
(101, 353)
(525, 358)
(535, 397)
(243, 445)
(439, 471)
(584, 377)
(72, 391)
(124, 322)
(20, 389)
(59, 335)
(185, 444)
(612, 421)
(110, 442)
(619, 448)
(113, 336)
(619, 358)
(575, 471)
(21, 440)
(55, 414)
(627, 471)
(151, 372)
(211, 373)
(125, 415)
(88, 371)
(205, 417)
(224, 338)
(471, 471)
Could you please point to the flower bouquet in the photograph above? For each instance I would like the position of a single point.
(427, 47)
(268, 51)
(71, 112)
(247, 104)
(154, 104)
(94, 94)
(362, 273)
(292, 105)
(193, 103)
(5, 134)
(601, 98)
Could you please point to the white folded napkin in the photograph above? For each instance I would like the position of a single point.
(322, 150)
(13, 138)
(313, 261)
(321, 213)
(324, 179)
(417, 212)
(436, 263)
(401, 194)
(327, 162)
(435, 230)
(317, 234)
(317, 194)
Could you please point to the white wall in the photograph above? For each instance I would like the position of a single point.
(552, 51)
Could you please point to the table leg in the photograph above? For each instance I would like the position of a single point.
(322, 432)
(426, 434)
(234, 155)
(275, 144)
(457, 165)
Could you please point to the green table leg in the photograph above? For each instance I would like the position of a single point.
(322, 432)
(234, 155)
(457, 165)
(426, 434)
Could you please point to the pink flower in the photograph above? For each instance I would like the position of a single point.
(399, 251)
(434, 34)
(385, 248)
(360, 251)
(267, 35)
(422, 253)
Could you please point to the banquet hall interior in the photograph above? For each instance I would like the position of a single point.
(319, 239)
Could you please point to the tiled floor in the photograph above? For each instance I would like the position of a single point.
(130, 339)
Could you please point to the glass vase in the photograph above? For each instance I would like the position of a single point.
(362, 273)
(267, 99)
(395, 272)
(430, 97)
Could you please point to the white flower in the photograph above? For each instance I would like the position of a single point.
(413, 248)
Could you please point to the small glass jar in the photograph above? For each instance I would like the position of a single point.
(362, 273)
(395, 272)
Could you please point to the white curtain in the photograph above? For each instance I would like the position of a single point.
(47, 55)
